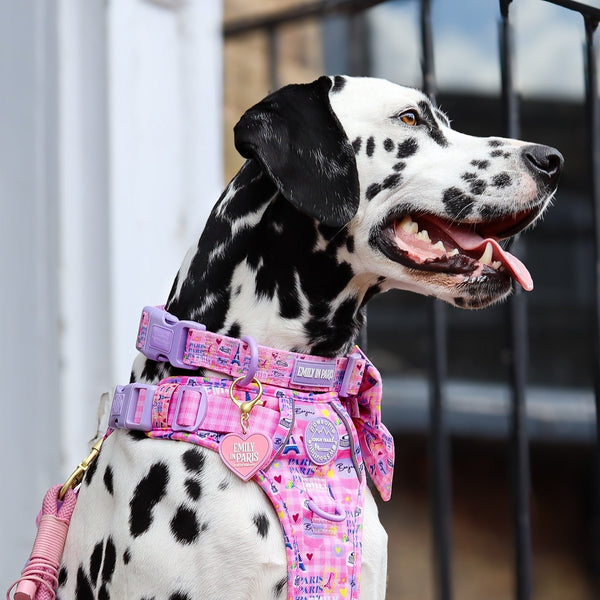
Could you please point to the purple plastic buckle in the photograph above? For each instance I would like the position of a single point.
(165, 336)
(352, 360)
(125, 405)
(189, 421)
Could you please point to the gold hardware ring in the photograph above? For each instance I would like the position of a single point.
(246, 406)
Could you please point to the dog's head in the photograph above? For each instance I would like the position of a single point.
(426, 206)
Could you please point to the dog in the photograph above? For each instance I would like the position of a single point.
(352, 186)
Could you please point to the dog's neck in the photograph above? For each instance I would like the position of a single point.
(263, 269)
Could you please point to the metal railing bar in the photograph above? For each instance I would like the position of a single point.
(585, 9)
(439, 450)
(297, 13)
(593, 120)
(517, 316)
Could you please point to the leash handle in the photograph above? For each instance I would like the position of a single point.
(39, 578)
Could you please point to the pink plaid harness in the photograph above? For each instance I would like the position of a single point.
(305, 438)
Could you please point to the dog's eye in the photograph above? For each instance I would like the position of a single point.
(409, 118)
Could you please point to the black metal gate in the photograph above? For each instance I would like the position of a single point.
(516, 314)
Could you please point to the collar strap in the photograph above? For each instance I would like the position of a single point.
(185, 344)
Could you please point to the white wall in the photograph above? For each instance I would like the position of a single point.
(110, 159)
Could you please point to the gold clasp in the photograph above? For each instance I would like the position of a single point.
(76, 476)
(248, 405)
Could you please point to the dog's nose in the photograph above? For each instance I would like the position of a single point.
(544, 161)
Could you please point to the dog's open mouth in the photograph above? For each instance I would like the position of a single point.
(429, 243)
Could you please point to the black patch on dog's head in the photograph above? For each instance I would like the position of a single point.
(296, 137)
(339, 83)
(435, 133)
(407, 148)
(370, 146)
(501, 180)
(457, 203)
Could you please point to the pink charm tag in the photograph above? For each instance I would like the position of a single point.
(245, 454)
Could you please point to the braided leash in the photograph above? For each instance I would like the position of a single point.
(39, 578)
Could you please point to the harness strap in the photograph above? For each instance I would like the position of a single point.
(184, 407)
(187, 345)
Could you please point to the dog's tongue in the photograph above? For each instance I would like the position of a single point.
(471, 241)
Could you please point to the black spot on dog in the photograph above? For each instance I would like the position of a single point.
(350, 244)
(501, 180)
(391, 181)
(435, 133)
(193, 460)
(89, 474)
(193, 488)
(372, 191)
(262, 524)
(329, 332)
(223, 485)
(469, 176)
(279, 587)
(495, 143)
(103, 593)
(407, 148)
(289, 300)
(356, 145)
(110, 560)
(370, 146)
(179, 596)
(496, 153)
(62, 576)
(148, 492)
(438, 137)
(184, 525)
(83, 589)
(481, 164)
(388, 145)
(95, 562)
(457, 203)
(506, 155)
(137, 435)
(234, 330)
(108, 479)
(399, 166)
(478, 187)
(339, 83)
(126, 556)
(488, 213)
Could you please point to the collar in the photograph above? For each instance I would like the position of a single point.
(186, 344)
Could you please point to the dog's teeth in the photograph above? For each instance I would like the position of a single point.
(440, 246)
(408, 225)
(486, 257)
(496, 264)
(424, 235)
(453, 252)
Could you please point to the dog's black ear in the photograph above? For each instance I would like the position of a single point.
(300, 143)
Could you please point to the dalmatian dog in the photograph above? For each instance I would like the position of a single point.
(352, 186)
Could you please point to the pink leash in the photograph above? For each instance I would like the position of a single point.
(39, 578)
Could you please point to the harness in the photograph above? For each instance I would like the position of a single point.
(303, 427)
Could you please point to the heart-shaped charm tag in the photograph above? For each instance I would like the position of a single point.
(245, 454)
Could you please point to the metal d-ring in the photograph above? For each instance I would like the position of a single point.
(253, 366)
